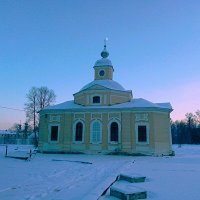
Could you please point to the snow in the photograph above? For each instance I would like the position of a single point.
(103, 62)
(66, 176)
(126, 188)
(109, 84)
(165, 105)
(133, 104)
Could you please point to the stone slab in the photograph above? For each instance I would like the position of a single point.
(127, 191)
(132, 178)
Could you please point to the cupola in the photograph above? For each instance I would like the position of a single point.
(103, 69)
(103, 90)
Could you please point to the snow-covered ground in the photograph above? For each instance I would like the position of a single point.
(85, 177)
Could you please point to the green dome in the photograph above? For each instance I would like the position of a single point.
(104, 53)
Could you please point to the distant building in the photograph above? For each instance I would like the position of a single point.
(104, 118)
(7, 132)
(7, 136)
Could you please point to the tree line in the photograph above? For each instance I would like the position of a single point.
(186, 131)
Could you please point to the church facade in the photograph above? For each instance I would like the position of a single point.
(105, 118)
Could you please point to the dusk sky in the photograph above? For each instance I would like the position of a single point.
(154, 47)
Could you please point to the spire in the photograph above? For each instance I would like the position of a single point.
(104, 53)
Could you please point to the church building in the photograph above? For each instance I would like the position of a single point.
(106, 118)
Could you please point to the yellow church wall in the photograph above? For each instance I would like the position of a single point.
(152, 132)
(156, 137)
(117, 98)
(46, 121)
(126, 132)
(159, 132)
(163, 143)
(80, 99)
(43, 132)
(67, 131)
(150, 146)
(108, 73)
(107, 97)
(87, 130)
(104, 131)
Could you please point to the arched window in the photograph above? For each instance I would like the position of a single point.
(96, 132)
(79, 132)
(96, 99)
(114, 132)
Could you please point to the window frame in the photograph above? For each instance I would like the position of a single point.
(90, 99)
(101, 73)
(91, 132)
(50, 133)
(95, 96)
(142, 133)
(74, 132)
(137, 133)
(109, 132)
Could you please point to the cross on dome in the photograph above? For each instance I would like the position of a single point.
(106, 39)
(104, 53)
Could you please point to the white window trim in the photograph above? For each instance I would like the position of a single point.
(91, 131)
(49, 134)
(93, 117)
(74, 132)
(78, 117)
(115, 117)
(136, 132)
(54, 118)
(141, 117)
(119, 131)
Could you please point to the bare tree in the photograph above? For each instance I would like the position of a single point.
(17, 127)
(45, 97)
(190, 119)
(31, 107)
(37, 99)
(190, 123)
(198, 117)
(26, 129)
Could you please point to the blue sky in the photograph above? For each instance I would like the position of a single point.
(153, 45)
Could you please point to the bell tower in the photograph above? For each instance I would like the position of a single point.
(103, 69)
